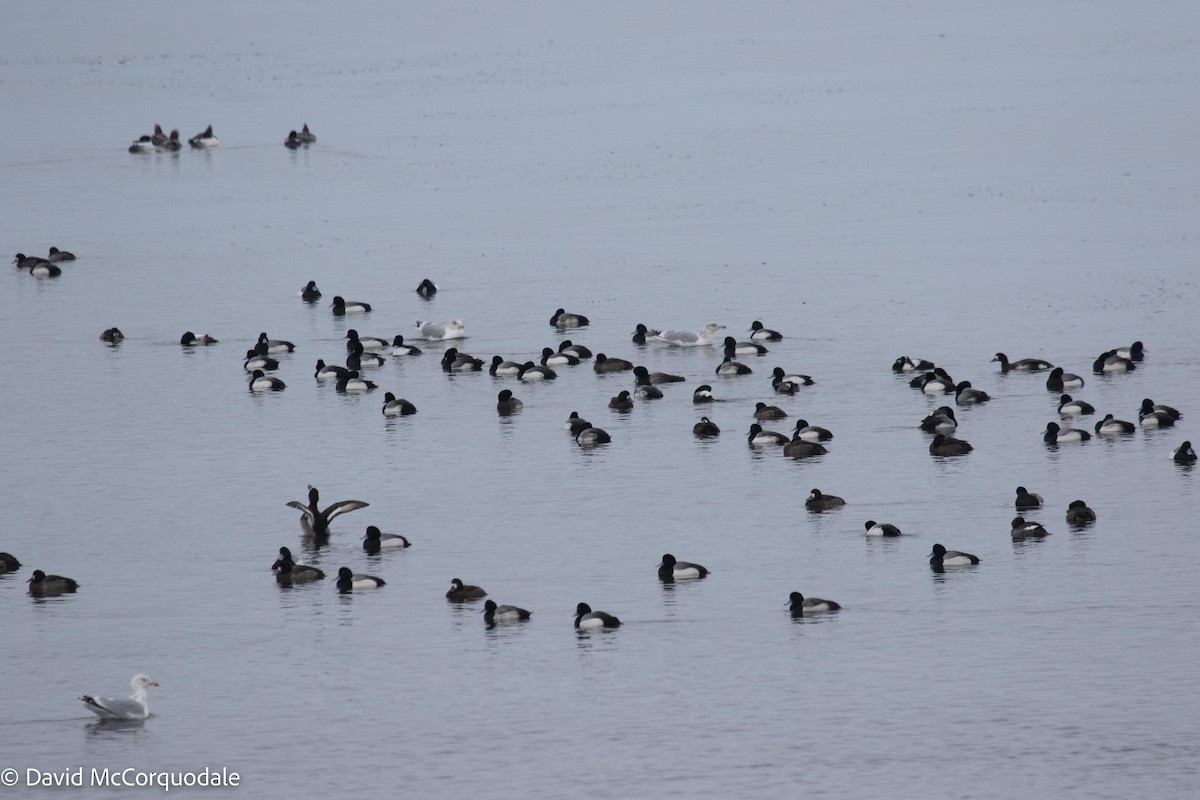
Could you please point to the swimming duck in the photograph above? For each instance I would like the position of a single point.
(172, 143)
(760, 334)
(399, 348)
(965, 393)
(376, 540)
(317, 520)
(671, 570)
(1109, 426)
(397, 407)
(43, 585)
(143, 144)
(586, 619)
(937, 382)
(1056, 435)
(705, 427)
(531, 373)
(134, 707)
(880, 528)
(906, 364)
(562, 319)
(112, 336)
(352, 383)
(368, 342)
(764, 412)
(502, 615)
(643, 375)
(287, 571)
(502, 367)
(689, 338)
(943, 445)
(45, 269)
(760, 438)
(703, 394)
(306, 136)
(800, 605)
(427, 289)
(204, 140)
(941, 557)
(735, 348)
(454, 361)
(1184, 454)
(57, 256)
(622, 402)
(800, 447)
(8, 563)
(255, 361)
(553, 358)
(592, 436)
(940, 421)
(822, 502)
(641, 333)
(1109, 362)
(349, 581)
(358, 358)
(605, 364)
(1060, 381)
(260, 382)
(310, 293)
(1079, 514)
(1027, 499)
(507, 404)
(329, 372)
(441, 331)
(292, 142)
(341, 307)
(1069, 407)
(274, 345)
(1156, 415)
(1134, 352)
(729, 368)
(1022, 365)
(812, 433)
(460, 592)
(158, 137)
(579, 351)
(1027, 530)
(919, 381)
(576, 423)
(780, 377)
(190, 339)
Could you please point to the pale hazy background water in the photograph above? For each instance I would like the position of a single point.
(870, 179)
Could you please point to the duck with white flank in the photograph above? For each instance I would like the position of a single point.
(586, 619)
(801, 606)
(671, 570)
(1022, 365)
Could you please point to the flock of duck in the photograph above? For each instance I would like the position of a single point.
(805, 440)
(206, 139)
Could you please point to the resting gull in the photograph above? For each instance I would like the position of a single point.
(133, 707)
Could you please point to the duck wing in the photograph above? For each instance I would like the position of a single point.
(342, 507)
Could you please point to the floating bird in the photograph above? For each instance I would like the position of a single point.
(965, 394)
(441, 331)
(579, 351)
(1027, 499)
(781, 380)
(460, 592)
(576, 423)
(880, 528)
(256, 361)
(1022, 365)
(586, 619)
(1109, 362)
(427, 288)
(317, 520)
(760, 438)
(689, 338)
(506, 404)
(260, 382)
(906, 364)
(133, 707)
(349, 581)
(940, 421)
(399, 348)
(641, 333)
(112, 336)
(292, 141)
(376, 540)
(729, 368)
(1134, 352)
(764, 412)
(554, 358)
(1056, 435)
(172, 143)
(800, 605)
(454, 361)
(352, 383)
(204, 140)
(735, 348)
(760, 334)
(1027, 530)
(705, 427)
(502, 615)
(703, 394)
(397, 407)
(799, 447)
(812, 433)
(189, 339)
(1184, 454)
(367, 342)
(671, 570)
(562, 319)
(592, 436)
(645, 376)
(8, 563)
(605, 364)
(341, 307)
(329, 372)
(43, 585)
(822, 502)
(1059, 381)
(287, 571)
(310, 293)
(274, 345)
(531, 373)
(56, 256)
(622, 402)
(941, 557)
(142, 144)
(943, 445)
(1079, 514)
(306, 136)
(1109, 426)
(1069, 407)
(501, 367)
(1164, 416)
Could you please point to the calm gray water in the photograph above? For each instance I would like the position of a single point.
(871, 182)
